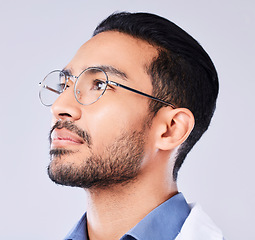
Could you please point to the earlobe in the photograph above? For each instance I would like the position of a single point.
(174, 127)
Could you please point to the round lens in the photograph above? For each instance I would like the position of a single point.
(90, 85)
(51, 87)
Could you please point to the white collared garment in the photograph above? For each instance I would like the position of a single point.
(199, 226)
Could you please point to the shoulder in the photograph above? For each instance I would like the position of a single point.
(199, 226)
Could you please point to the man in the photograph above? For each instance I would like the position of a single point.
(126, 110)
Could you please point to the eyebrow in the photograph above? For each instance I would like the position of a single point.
(106, 68)
(67, 72)
(114, 71)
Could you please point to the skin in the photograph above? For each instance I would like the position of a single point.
(122, 111)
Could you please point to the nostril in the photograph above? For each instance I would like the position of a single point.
(64, 115)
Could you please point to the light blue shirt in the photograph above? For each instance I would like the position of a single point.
(163, 223)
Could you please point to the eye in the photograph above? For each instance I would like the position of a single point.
(61, 87)
(67, 86)
(98, 85)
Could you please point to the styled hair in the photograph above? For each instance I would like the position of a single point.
(182, 73)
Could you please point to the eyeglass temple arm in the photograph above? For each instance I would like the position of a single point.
(50, 89)
(141, 93)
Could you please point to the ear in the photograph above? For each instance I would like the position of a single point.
(173, 127)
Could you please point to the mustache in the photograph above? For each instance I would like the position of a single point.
(70, 126)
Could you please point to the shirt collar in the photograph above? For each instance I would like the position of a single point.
(79, 231)
(164, 222)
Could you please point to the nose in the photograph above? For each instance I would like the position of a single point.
(66, 107)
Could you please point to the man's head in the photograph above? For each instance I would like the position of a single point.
(182, 73)
(112, 140)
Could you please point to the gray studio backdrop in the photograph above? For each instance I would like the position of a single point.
(39, 36)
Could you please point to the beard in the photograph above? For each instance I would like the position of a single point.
(119, 163)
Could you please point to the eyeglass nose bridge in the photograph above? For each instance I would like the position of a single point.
(69, 83)
(69, 79)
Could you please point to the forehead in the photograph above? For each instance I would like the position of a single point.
(119, 50)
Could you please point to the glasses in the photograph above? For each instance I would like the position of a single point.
(89, 86)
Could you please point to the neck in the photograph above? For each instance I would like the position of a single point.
(113, 211)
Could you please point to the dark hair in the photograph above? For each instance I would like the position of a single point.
(182, 73)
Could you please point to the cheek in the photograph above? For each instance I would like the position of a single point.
(109, 119)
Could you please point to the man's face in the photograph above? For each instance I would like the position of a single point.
(103, 143)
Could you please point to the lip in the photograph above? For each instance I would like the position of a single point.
(63, 137)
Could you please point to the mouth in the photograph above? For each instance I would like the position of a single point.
(62, 137)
